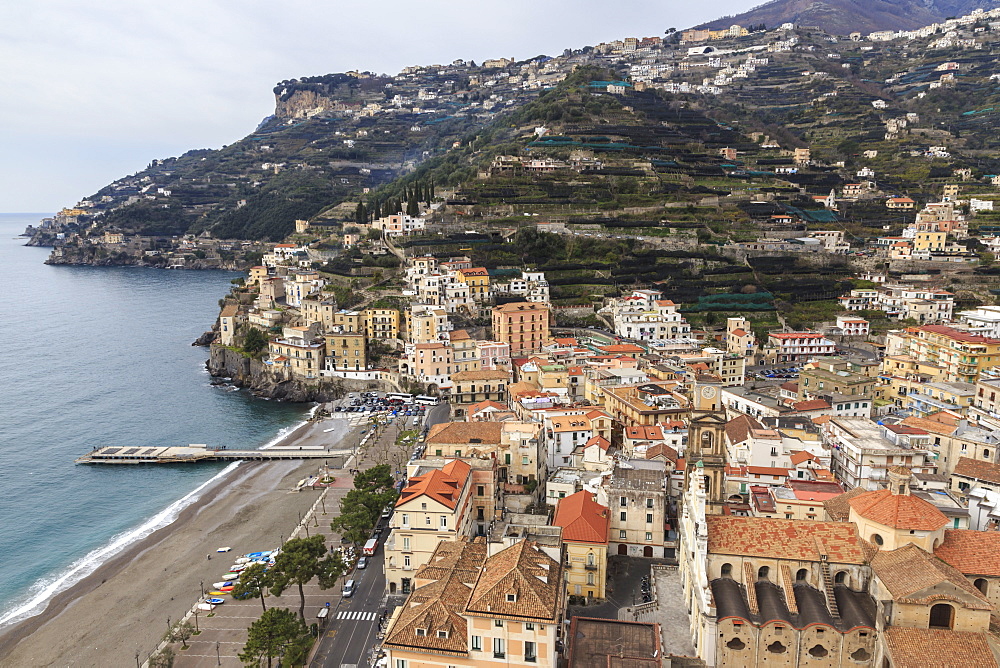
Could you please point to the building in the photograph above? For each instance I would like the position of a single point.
(381, 322)
(800, 346)
(346, 351)
(849, 326)
(585, 526)
(435, 506)
(228, 322)
(862, 454)
(468, 608)
(637, 499)
(297, 351)
(524, 326)
(478, 281)
(962, 355)
(471, 387)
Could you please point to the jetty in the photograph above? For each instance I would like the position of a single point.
(199, 453)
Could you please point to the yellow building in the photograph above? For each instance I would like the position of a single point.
(465, 354)
(256, 275)
(434, 506)
(349, 321)
(891, 518)
(345, 351)
(584, 524)
(478, 280)
(297, 352)
(929, 241)
(646, 404)
(314, 309)
(471, 387)
(963, 356)
(381, 323)
(469, 609)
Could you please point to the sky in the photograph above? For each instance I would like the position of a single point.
(96, 90)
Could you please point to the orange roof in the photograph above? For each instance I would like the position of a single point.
(800, 456)
(796, 335)
(444, 485)
(565, 342)
(899, 511)
(979, 470)
(621, 348)
(957, 334)
(767, 470)
(599, 440)
(811, 405)
(644, 433)
(971, 552)
(483, 405)
(582, 519)
(739, 332)
(801, 540)
(917, 648)
(458, 335)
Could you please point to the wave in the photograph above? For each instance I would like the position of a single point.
(43, 590)
(285, 432)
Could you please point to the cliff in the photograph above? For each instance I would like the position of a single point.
(264, 382)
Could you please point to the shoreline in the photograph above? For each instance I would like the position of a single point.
(122, 606)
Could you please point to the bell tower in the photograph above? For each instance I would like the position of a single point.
(706, 450)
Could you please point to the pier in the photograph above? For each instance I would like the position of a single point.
(113, 454)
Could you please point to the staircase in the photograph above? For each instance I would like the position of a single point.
(831, 600)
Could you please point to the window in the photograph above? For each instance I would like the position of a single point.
(406, 520)
(525, 460)
(649, 535)
(649, 518)
(498, 652)
(621, 534)
(649, 503)
(406, 561)
(623, 516)
(406, 543)
(480, 490)
(529, 651)
(421, 632)
(590, 579)
(477, 643)
(622, 501)
(444, 521)
(442, 634)
(423, 506)
(512, 598)
(498, 623)
(400, 663)
(529, 626)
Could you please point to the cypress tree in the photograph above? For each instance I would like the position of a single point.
(361, 214)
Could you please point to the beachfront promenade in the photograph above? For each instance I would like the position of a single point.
(199, 453)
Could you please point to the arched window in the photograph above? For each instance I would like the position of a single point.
(707, 440)
(590, 558)
(818, 651)
(877, 539)
(736, 644)
(763, 572)
(981, 584)
(942, 616)
(776, 648)
(802, 575)
(861, 654)
(986, 454)
(727, 570)
(840, 578)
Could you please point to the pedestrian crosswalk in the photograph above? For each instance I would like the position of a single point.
(357, 615)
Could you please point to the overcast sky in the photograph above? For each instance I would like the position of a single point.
(95, 90)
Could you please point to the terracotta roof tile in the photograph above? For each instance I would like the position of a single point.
(839, 507)
(784, 539)
(971, 552)
(738, 429)
(465, 432)
(899, 511)
(913, 575)
(582, 519)
(979, 470)
(599, 441)
(919, 648)
(444, 485)
(525, 572)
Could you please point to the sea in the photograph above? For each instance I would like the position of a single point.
(101, 356)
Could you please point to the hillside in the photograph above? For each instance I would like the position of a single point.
(841, 17)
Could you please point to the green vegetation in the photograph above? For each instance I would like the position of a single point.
(301, 560)
(362, 506)
(277, 632)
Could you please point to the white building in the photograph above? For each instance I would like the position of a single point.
(644, 316)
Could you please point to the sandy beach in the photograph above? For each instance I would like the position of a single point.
(122, 608)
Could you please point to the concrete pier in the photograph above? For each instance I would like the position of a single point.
(114, 454)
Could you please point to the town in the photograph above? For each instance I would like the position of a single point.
(713, 394)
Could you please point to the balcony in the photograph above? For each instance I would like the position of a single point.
(590, 567)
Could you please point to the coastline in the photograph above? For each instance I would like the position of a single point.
(122, 606)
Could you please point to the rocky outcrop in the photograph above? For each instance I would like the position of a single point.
(93, 257)
(205, 339)
(263, 381)
(302, 104)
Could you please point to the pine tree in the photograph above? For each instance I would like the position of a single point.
(361, 214)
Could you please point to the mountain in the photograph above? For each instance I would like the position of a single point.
(841, 17)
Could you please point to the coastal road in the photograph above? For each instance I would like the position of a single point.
(354, 623)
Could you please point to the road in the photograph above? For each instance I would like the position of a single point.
(352, 628)
(354, 622)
